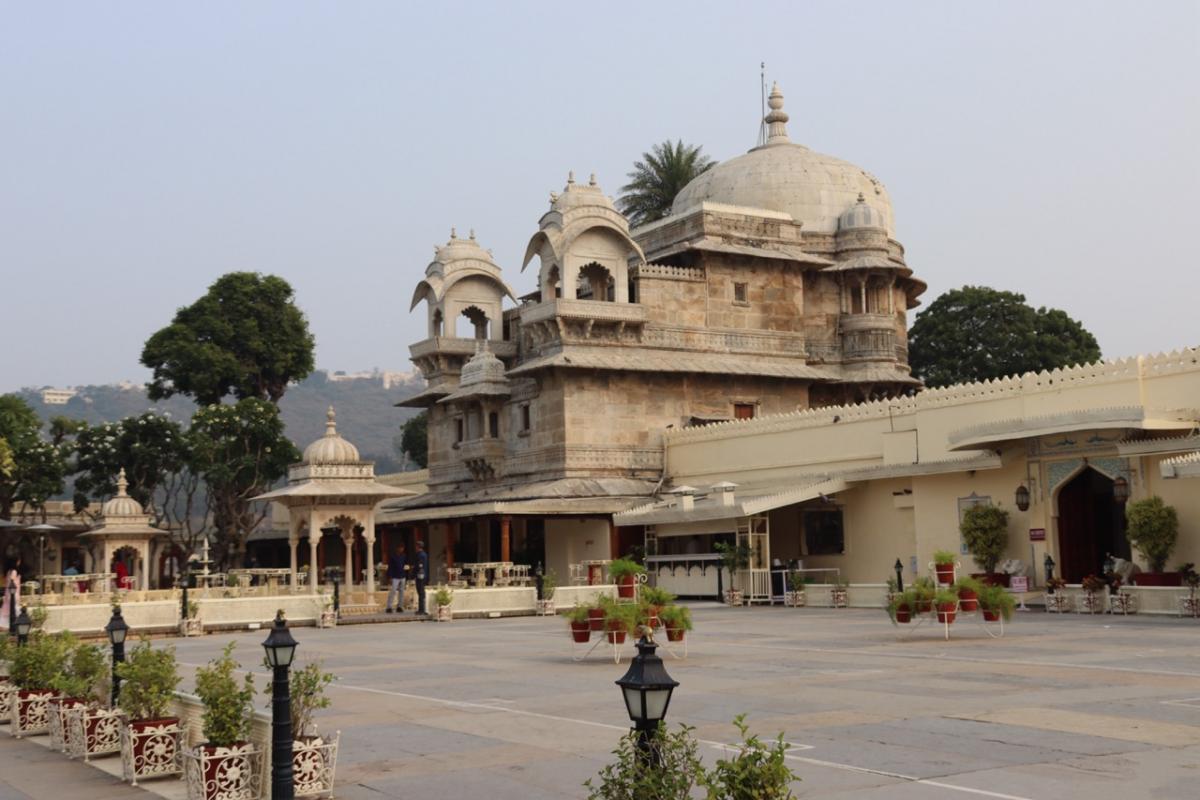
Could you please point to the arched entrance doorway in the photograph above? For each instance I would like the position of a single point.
(1090, 526)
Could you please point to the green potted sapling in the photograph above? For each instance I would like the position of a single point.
(985, 533)
(625, 572)
(901, 606)
(442, 598)
(943, 566)
(1152, 528)
(677, 621)
(735, 558)
(968, 589)
(35, 666)
(545, 605)
(577, 621)
(997, 603)
(945, 602)
(82, 682)
(150, 738)
(314, 757)
(225, 763)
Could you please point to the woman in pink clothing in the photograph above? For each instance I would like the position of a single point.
(11, 606)
(122, 573)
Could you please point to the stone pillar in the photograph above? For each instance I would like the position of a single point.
(369, 538)
(348, 541)
(314, 538)
(505, 538)
(862, 290)
(144, 550)
(451, 537)
(293, 541)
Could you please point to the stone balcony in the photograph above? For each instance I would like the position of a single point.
(482, 457)
(867, 322)
(584, 310)
(463, 348)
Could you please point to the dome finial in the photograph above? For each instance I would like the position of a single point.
(472, 234)
(592, 180)
(331, 422)
(122, 484)
(571, 177)
(776, 118)
(861, 198)
(453, 233)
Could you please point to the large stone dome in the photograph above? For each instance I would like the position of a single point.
(815, 189)
(330, 448)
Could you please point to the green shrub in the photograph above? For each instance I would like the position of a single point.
(622, 616)
(228, 710)
(997, 598)
(944, 557)
(906, 598)
(945, 597)
(734, 557)
(628, 778)
(443, 596)
(620, 568)
(985, 532)
(756, 772)
(85, 674)
(968, 583)
(652, 595)
(579, 613)
(42, 660)
(549, 585)
(1152, 527)
(676, 617)
(148, 681)
(797, 581)
(307, 696)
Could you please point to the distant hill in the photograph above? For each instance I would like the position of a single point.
(366, 412)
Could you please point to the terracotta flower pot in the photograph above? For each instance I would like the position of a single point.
(924, 606)
(967, 600)
(945, 573)
(675, 634)
(626, 586)
(903, 614)
(596, 619)
(945, 612)
(581, 631)
(616, 634)
(991, 615)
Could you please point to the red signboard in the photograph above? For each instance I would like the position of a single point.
(1037, 534)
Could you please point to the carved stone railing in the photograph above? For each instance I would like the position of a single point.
(597, 310)
(725, 341)
(867, 322)
(456, 346)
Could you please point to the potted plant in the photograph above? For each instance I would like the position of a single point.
(968, 589)
(923, 590)
(625, 572)
(653, 600)
(677, 621)
(596, 615)
(619, 620)
(34, 668)
(996, 602)
(225, 764)
(943, 566)
(839, 593)
(945, 603)
(82, 681)
(1152, 528)
(7, 689)
(794, 596)
(984, 531)
(735, 558)
(442, 598)
(1056, 599)
(191, 625)
(314, 757)
(577, 621)
(900, 606)
(150, 738)
(1093, 588)
(328, 617)
(755, 770)
(545, 606)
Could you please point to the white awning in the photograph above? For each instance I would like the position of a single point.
(748, 501)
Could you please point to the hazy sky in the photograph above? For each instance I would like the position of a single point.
(146, 148)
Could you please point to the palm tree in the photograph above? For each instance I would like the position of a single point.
(658, 177)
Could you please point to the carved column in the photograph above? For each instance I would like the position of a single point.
(293, 541)
(348, 541)
(369, 539)
(505, 537)
(314, 538)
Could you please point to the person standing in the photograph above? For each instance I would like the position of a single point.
(11, 605)
(422, 575)
(397, 574)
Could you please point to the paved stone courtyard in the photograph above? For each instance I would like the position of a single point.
(1061, 707)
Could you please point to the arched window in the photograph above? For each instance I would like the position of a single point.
(435, 323)
(553, 287)
(596, 283)
(478, 319)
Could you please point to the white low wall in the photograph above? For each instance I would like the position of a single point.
(161, 615)
(1162, 600)
(858, 595)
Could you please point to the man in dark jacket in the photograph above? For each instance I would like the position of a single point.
(397, 574)
(422, 575)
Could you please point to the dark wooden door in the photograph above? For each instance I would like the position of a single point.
(1087, 525)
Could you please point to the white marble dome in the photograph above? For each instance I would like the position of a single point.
(121, 504)
(861, 215)
(815, 189)
(330, 448)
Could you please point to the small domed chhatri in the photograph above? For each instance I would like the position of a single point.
(861, 215)
(331, 448)
(121, 504)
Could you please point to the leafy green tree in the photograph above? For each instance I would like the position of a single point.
(148, 447)
(244, 337)
(985, 532)
(658, 177)
(239, 450)
(37, 466)
(414, 439)
(977, 333)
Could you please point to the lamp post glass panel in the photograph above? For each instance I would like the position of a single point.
(281, 649)
(647, 689)
(117, 630)
(1120, 489)
(899, 567)
(1048, 564)
(24, 623)
(1022, 497)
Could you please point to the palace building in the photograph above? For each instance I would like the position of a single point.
(775, 285)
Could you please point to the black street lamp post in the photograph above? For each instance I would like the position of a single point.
(117, 629)
(899, 567)
(24, 623)
(647, 690)
(281, 649)
(1048, 565)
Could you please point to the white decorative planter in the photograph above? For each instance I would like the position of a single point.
(93, 731)
(1058, 602)
(58, 708)
(191, 627)
(545, 608)
(444, 614)
(1122, 603)
(733, 597)
(794, 599)
(838, 598)
(150, 749)
(328, 619)
(31, 712)
(1089, 603)
(7, 693)
(314, 760)
(1188, 607)
(223, 773)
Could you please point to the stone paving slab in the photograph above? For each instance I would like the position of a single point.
(1061, 707)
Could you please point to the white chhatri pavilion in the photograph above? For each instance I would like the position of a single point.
(124, 524)
(332, 487)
